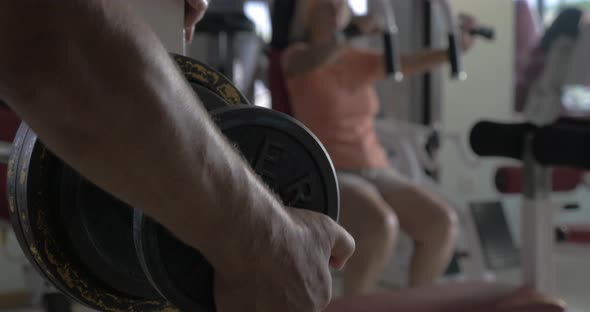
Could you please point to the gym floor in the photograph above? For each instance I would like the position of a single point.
(571, 268)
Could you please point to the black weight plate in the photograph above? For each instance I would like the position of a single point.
(202, 75)
(38, 199)
(11, 186)
(288, 156)
(289, 159)
(45, 192)
(12, 180)
(99, 227)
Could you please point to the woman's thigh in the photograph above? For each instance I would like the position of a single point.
(420, 213)
(363, 209)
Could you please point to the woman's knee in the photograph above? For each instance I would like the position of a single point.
(368, 213)
(438, 221)
(387, 223)
(444, 220)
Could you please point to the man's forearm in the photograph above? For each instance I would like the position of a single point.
(423, 61)
(105, 97)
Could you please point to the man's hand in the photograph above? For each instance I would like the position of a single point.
(194, 11)
(289, 275)
(468, 24)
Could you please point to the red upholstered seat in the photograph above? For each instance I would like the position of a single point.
(509, 179)
(577, 234)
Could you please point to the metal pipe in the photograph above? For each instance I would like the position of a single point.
(537, 223)
(391, 42)
(454, 39)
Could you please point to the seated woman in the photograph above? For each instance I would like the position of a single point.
(331, 88)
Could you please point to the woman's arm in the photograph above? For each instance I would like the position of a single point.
(423, 61)
(374, 66)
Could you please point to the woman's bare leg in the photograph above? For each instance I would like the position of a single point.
(373, 224)
(433, 227)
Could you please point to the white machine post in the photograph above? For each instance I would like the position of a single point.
(166, 17)
(537, 224)
(454, 38)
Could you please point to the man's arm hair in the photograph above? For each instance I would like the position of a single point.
(102, 93)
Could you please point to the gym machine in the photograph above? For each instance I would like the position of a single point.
(408, 143)
(219, 31)
(560, 140)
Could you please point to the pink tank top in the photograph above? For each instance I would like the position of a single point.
(338, 103)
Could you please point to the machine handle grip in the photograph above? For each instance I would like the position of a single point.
(454, 51)
(488, 33)
(392, 56)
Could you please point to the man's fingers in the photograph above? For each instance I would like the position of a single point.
(194, 11)
(342, 248)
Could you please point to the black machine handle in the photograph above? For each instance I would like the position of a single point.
(351, 31)
(454, 51)
(391, 49)
(390, 45)
(454, 39)
(488, 33)
(392, 55)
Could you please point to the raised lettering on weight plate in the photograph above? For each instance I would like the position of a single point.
(298, 192)
(268, 161)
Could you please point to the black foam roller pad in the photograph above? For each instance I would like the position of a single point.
(563, 145)
(499, 139)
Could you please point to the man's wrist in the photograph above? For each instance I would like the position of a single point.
(247, 226)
